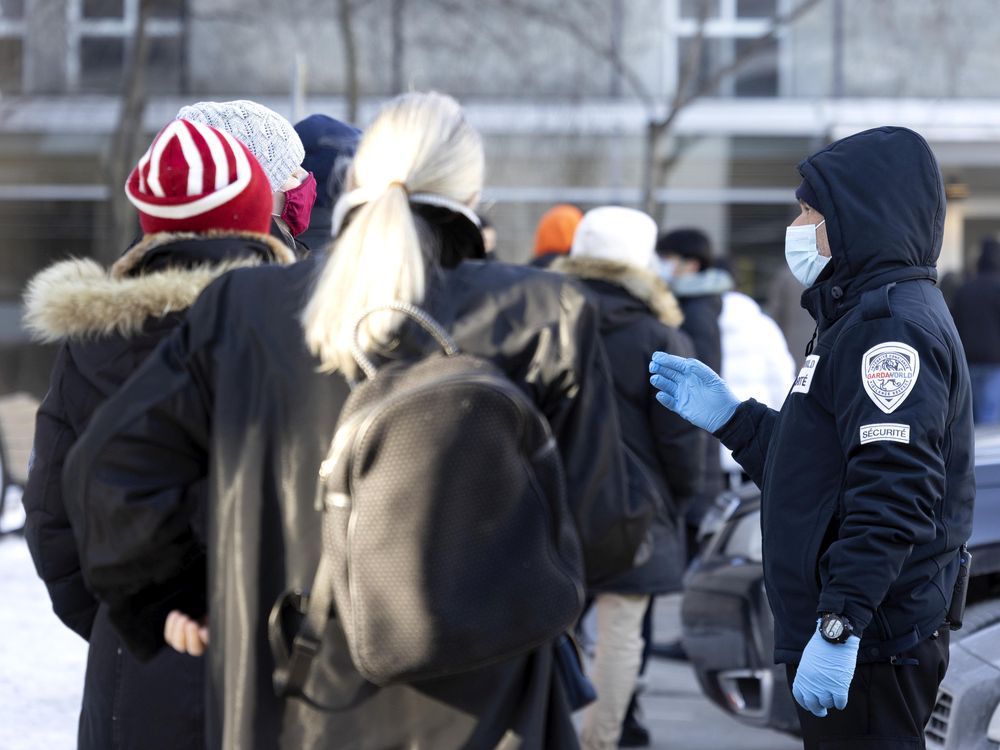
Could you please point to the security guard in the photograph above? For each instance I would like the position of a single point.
(867, 471)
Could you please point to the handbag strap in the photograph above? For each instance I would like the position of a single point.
(292, 667)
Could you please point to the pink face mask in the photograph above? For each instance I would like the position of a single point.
(298, 205)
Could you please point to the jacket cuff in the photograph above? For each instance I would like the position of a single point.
(139, 619)
(740, 428)
(859, 615)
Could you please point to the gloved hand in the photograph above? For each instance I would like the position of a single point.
(825, 673)
(693, 390)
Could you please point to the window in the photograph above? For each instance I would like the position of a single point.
(692, 8)
(100, 39)
(102, 63)
(104, 9)
(730, 32)
(167, 8)
(12, 10)
(756, 8)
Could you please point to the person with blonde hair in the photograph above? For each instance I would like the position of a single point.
(246, 397)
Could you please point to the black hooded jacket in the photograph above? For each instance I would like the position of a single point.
(639, 315)
(867, 471)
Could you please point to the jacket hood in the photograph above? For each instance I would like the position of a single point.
(645, 286)
(882, 196)
(159, 275)
(715, 281)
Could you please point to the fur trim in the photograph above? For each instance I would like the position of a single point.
(78, 299)
(132, 257)
(644, 285)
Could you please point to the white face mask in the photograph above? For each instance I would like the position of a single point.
(802, 253)
(667, 268)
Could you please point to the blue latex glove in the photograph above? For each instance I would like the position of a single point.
(825, 673)
(693, 390)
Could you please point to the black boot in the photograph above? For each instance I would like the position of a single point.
(634, 732)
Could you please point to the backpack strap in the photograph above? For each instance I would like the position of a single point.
(413, 312)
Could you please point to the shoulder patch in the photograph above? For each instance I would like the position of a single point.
(886, 431)
(804, 380)
(888, 372)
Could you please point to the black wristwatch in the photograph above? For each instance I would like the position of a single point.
(835, 628)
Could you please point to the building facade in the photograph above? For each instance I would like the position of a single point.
(563, 93)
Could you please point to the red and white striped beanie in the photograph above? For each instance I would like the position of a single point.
(195, 178)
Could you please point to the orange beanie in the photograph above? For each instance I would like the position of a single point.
(556, 228)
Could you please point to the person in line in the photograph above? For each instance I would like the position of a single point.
(686, 263)
(756, 362)
(203, 210)
(866, 473)
(329, 146)
(251, 410)
(976, 307)
(613, 256)
(272, 139)
(554, 234)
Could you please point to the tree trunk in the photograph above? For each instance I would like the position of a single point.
(397, 46)
(350, 59)
(125, 144)
(654, 128)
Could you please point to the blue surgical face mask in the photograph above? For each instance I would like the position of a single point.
(667, 268)
(802, 253)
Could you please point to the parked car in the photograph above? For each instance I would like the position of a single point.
(11, 510)
(728, 631)
(967, 713)
(17, 427)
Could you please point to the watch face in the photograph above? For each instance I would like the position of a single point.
(833, 628)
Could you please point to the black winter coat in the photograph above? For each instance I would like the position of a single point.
(234, 396)
(108, 324)
(639, 316)
(866, 472)
(700, 297)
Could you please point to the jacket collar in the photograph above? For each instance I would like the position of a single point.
(79, 299)
(830, 298)
(645, 286)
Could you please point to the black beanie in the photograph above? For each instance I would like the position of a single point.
(687, 243)
(805, 193)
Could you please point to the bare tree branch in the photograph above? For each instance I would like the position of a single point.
(756, 47)
(344, 12)
(568, 23)
(125, 141)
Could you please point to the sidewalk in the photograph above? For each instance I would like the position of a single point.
(43, 664)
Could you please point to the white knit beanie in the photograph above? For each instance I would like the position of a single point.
(619, 234)
(268, 135)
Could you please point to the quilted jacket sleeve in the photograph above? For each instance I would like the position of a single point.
(47, 530)
(134, 480)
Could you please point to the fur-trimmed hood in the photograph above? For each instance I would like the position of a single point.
(645, 286)
(79, 299)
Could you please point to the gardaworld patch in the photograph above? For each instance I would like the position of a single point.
(886, 431)
(888, 372)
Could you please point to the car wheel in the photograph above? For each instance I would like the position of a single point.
(978, 616)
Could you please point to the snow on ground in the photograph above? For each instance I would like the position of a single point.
(41, 661)
(42, 664)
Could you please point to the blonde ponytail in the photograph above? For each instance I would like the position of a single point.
(419, 143)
